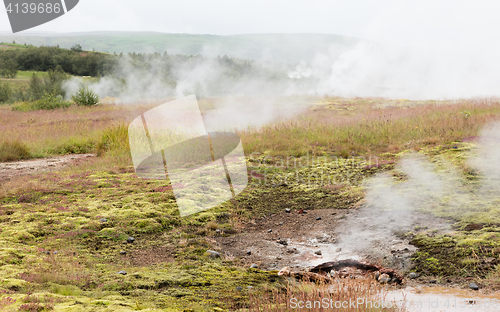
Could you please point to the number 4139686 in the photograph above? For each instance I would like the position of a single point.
(34, 8)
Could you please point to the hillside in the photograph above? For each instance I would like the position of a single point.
(269, 47)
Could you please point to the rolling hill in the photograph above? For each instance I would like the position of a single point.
(289, 48)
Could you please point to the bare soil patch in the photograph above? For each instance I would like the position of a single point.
(10, 170)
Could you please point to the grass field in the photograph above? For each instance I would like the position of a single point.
(64, 211)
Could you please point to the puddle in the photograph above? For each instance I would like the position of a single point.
(440, 299)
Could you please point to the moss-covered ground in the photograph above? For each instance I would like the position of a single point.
(63, 235)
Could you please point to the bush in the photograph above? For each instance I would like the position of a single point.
(14, 150)
(48, 101)
(85, 97)
(8, 68)
(5, 92)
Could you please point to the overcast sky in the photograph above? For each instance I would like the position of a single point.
(221, 17)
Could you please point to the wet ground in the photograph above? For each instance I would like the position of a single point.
(442, 299)
(303, 240)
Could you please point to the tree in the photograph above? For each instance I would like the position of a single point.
(5, 92)
(77, 48)
(8, 68)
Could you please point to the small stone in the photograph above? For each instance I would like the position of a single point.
(283, 242)
(384, 278)
(413, 275)
(473, 286)
(269, 231)
(377, 275)
(254, 266)
(305, 211)
(318, 252)
(212, 254)
(433, 281)
(217, 231)
(288, 210)
(338, 249)
(123, 252)
(318, 218)
(104, 220)
(249, 252)
(122, 273)
(130, 240)
(239, 288)
(278, 258)
(281, 223)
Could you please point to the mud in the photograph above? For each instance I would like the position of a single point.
(300, 241)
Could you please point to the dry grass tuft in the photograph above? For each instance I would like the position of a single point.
(337, 296)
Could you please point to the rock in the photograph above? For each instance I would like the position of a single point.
(473, 286)
(123, 252)
(217, 231)
(269, 231)
(122, 273)
(249, 252)
(433, 281)
(278, 258)
(338, 249)
(413, 275)
(284, 272)
(288, 210)
(333, 273)
(318, 218)
(104, 220)
(281, 223)
(304, 211)
(377, 275)
(318, 252)
(239, 288)
(384, 279)
(130, 240)
(254, 266)
(283, 242)
(212, 254)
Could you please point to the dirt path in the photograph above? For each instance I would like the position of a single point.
(10, 170)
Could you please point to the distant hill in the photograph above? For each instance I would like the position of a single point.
(290, 48)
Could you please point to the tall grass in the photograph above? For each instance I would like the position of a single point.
(340, 295)
(13, 150)
(373, 131)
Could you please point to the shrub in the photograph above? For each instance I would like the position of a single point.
(14, 150)
(85, 97)
(38, 86)
(48, 101)
(5, 92)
